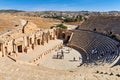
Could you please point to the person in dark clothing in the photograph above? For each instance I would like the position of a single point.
(73, 58)
(62, 52)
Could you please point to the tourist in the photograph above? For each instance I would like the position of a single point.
(92, 51)
(62, 52)
(95, 51)
(73, 58)
(57, 55)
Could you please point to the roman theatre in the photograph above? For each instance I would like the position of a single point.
(26, 43)
(57, 50)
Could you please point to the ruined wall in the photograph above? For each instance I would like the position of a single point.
(18, 42)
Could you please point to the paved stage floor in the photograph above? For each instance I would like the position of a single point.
(67, 63)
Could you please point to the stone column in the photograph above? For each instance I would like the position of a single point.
(42, 41)
(2, 49)
(28, 41)
(13, 45)
(35, 39)
(25, 41)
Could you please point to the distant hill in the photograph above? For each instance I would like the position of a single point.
(10, 11)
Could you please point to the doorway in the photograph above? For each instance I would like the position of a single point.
(38, 41)
(20, 48)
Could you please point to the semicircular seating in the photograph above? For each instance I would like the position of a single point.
(99, 48)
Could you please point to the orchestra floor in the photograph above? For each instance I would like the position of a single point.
(71, 59)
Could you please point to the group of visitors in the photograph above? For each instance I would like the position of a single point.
(74, 59)
(102, 53)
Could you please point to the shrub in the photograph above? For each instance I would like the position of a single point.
(61, 26)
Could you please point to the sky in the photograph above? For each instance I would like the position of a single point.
(61, 5)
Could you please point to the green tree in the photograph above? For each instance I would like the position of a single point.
(61, 26)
